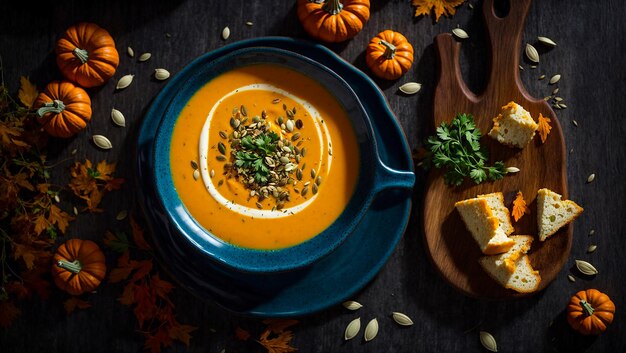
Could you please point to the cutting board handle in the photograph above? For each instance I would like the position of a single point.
(505, 39)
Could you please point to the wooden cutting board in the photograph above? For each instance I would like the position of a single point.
(452, 249)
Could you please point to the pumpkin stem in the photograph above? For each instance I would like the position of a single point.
(587, 308)
(55, 106)
(390, 49)
(73, 267)
(333, 7)
(81, 54)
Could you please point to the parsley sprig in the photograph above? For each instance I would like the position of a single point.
(252, 155)
(456, 147)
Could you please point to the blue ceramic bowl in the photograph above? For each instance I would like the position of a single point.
(374, 175)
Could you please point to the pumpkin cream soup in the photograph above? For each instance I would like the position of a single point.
(264, 157)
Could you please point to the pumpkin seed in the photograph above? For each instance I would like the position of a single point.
(221, 148)
(487, 340)
(318, 180)
(352, 305)
(402, 319)
(586, 268)
(289, 125)
(542, 77)
(223, 135)
(371, 330)
(520, 67)
(305, 190)
(144, 57)
(161, 74)
(352, 329)
(75, 211)
(591, 178)
(592, 232)
(243, 110)
(547, 41)
(314, 189)
(299, 174)
(118, 118)
(249, 23)
(532, 53)
(225, 33)
(212, 174)
(74, 151)
(512, 169)
(556, 90)
(299, 124)
(410, 88)
(571, 278)
(220, 158)
(592, 248)
(459, 33)
(313, 173)
(196, 174)
(124, 82)
(533, 66)
(57, 198)
(259, 205)
(574, 122)
(194, 164)
(558, 99)
(102, 142)
(130, 52)
(121, 215)
(295, 136)
(554, 79)
(276, 101)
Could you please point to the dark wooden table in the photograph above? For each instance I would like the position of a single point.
(589, 56)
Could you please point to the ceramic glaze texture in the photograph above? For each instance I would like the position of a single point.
(222, 204)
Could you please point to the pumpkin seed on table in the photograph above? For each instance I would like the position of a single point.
(161, 74)
(532, 53)
(488, 341)
(591, 178)
(102, 142)
(371, 330)
(512, 169)
(410, 88)
(571, 278)
(118, 118)
(352, 329)
(554, 79)
(586, 268)
(124, 82)
(144, 57)
(402, 319)
(225, 33)
(130, 52)
(592, 248)
(547, 41)
(352, 305)
(121, 215)
(459, 33)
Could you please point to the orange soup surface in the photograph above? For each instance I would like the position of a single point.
(264, 157)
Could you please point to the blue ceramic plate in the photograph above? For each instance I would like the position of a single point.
(325, 283)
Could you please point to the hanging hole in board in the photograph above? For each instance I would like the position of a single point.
(501, 8)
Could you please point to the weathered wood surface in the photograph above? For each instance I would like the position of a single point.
(589, 56)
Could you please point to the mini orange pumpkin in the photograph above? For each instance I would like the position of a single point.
(64, 109)
(389, 55)
(333, 20)
(79, 266)
(86, 55)
(590, 312)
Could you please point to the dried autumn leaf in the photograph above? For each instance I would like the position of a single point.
(241, 334)
(8, 313)
(26, 253)
(154, 342)
(75, 303)
(117, 242)
(181, 332)
(138, 237)
(59, 217)
(440, 7)
(27, 93)
(160, 287)
(278, 344)
(92, 184)
(519, 207)
(544, 127)
(128, 295)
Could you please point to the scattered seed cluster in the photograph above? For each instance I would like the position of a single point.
(371, 329)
